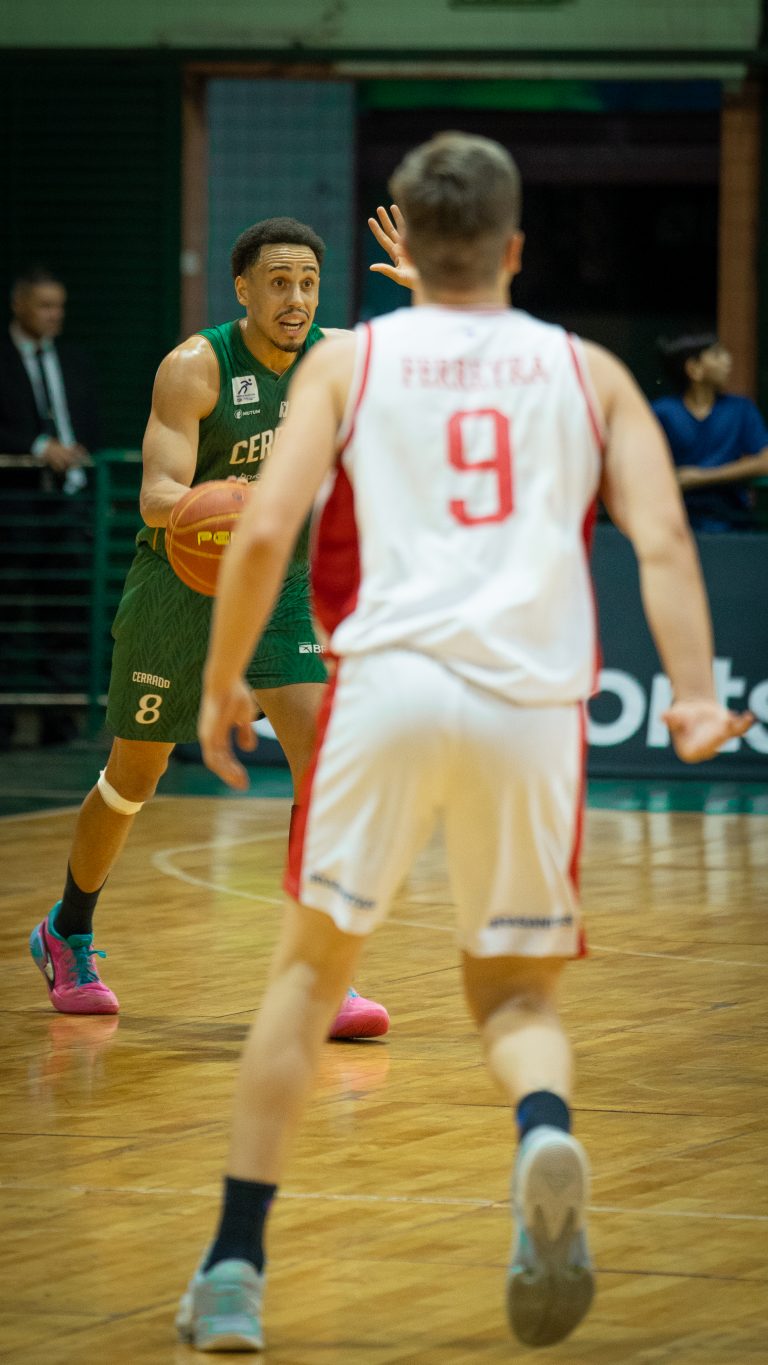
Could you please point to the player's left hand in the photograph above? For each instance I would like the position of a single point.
(221, 712)
(699, 728)
(389, 232)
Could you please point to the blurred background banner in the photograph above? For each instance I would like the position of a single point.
(626, 734)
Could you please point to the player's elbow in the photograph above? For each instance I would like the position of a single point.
(148, 510)
(665, 539)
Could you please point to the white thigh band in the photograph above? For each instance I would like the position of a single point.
(114, 800)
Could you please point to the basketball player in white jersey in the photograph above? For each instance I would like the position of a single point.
(461, 446)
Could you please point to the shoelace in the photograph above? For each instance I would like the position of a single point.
(81, 968)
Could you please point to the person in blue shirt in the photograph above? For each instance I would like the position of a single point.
(718, 440)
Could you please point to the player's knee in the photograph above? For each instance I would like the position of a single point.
(111, 797)
(130, 779)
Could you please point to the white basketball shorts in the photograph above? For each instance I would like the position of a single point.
(403, 742)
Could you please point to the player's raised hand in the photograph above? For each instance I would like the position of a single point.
(700, 728)
(389, 233)
(221, 712)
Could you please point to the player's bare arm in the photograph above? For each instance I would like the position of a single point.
(186, 389)
(641, 494)
(254, 566)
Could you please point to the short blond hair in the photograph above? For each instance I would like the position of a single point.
(461, 198)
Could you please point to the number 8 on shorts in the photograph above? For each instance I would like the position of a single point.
(149, 709)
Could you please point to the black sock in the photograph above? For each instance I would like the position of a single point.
(241, 1230)
(542, 1107)
(75, 913)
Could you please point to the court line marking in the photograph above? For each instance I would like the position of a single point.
(66, 810)
(38, 814)
(162, 861)
(406, 1199)
(676, 957)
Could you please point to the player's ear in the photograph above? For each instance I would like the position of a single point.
(513, 255)
(241, 292)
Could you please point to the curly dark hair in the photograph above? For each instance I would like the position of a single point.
(272, 231)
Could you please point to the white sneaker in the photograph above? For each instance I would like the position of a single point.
(221, 1309)
(550, 1284)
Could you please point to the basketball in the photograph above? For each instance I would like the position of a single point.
(199, 530)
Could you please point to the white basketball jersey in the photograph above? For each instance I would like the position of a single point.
(457, 518)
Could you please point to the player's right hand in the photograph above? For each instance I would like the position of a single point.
(389, 233)
(221, 712)
(700, 728)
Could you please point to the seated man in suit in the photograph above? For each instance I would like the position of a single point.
(46, 389)
(47, 410)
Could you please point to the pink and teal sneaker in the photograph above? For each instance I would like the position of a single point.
(69, 969)
(359, 1018)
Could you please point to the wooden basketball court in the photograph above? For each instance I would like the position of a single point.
(389, 1240)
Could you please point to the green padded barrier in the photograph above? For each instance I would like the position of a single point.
(62, 565)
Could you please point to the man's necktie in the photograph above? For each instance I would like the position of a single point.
(46, 413)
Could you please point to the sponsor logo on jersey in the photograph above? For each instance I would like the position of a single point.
(150, 678)
(244, 389)
(308, 647)
(247, 412)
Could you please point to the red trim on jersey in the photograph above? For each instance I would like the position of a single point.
(595, 420)
(578, 830)
(334, 545)
(361, 390)
(588, 536)
(300, 813)
(336, 556)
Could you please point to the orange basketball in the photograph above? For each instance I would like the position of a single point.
(199, 530)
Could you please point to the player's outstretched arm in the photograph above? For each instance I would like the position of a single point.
(254, 565)
(389, 231)
(642, 497)
(186, 389)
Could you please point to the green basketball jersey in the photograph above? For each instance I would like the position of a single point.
(238, 435)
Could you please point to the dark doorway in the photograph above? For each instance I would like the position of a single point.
(620, 215)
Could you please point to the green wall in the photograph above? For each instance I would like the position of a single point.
(246, 27)
(89, 175)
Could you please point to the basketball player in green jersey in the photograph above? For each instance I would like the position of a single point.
(217, 403)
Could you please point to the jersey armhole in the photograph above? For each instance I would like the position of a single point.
(363, 340)
(584, 380)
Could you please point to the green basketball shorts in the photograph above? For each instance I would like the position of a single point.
(161, 638)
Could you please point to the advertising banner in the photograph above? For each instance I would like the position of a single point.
(626, 734)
